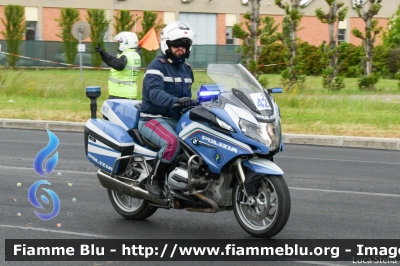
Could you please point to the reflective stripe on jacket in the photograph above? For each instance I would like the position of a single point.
(123, 83)
(163, 84)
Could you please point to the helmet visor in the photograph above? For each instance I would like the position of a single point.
(186, 43)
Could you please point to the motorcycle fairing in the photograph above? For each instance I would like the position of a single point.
(262, 166)
(231, 115)
(122, 112)
(216, 149)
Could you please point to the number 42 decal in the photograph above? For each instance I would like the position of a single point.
(260, 101)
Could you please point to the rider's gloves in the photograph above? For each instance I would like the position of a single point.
(99, 48)
(186, 102)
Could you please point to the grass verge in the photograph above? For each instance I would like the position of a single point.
(59, 95)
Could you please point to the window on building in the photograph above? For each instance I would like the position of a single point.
(30, 30)
(229, 38)
(341, 36)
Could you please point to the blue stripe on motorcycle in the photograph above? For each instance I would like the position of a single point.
(261, 169)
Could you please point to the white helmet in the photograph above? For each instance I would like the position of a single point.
(178, 32)
(126, 40)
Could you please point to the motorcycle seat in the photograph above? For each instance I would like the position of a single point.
(150, 144)
(138, 105)
(138, 138)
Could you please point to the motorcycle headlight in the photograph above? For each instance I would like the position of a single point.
(263, 132)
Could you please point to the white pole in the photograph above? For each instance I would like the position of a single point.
(80, 54)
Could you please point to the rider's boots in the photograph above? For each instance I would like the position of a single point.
(155, 181)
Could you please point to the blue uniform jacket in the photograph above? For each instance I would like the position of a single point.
(163, 84)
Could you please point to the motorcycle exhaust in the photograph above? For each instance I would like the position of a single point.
(214, 205)
(130, 190)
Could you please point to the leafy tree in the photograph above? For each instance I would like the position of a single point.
(335, 14)
(14, 24)
(98, 22)
(310, 56)
(67, 19)
(383, 60)
(272, 58)
(393, 61)
(291, 20)
(351, 58)
(148, 22)
(371, 31)
(392, 36)
(124, 21)
(267, 35)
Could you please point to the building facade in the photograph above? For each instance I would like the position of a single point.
(212, 20)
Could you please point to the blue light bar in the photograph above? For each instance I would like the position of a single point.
(93, 89)
(208, 91)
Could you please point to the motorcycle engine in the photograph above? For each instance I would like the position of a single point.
(177, 179)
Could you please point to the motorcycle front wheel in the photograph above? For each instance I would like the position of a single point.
(129, 207)
(266, 213)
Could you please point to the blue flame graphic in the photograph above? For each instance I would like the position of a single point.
(33, 200)
(44, 153)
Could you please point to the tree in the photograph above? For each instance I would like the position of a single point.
(98, 22)
(124, 21)
(371, 31)
(67, 19)
(288, 37)
(148, 22)
(392, 36)
(14, 24)
(336, 13)
(266, 34)
(254, 6)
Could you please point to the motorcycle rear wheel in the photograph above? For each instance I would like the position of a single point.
(269, 211)
(129, 207)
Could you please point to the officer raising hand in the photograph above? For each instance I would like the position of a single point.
(124, 67)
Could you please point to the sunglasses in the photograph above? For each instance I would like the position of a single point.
(180, 43)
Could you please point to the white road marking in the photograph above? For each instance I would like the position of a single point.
(42, 142)
(323, 159)
(347, 192)
(57, 170)
(51, 231)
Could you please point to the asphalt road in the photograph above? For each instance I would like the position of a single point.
(336, 193)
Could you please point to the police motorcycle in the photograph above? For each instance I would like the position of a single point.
(228, 144)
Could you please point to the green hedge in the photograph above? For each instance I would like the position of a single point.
(386, 61)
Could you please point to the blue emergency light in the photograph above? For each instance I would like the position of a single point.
(208, 92)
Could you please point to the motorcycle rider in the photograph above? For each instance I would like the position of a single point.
(167, 80)
(124, 67)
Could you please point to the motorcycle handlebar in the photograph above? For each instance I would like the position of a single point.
(177, 105)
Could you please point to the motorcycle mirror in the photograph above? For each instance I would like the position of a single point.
(275, 90)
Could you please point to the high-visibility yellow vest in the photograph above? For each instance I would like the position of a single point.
(123, 83)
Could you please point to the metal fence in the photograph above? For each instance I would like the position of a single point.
(50, 54)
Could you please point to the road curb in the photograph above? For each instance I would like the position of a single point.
(343, 141)
(325, 140)
(42, 124)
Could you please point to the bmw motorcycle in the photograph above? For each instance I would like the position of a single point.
(228, 144)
